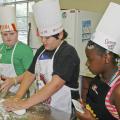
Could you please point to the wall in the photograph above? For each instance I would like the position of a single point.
(90, 5)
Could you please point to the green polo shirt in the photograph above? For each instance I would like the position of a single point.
(22, 56)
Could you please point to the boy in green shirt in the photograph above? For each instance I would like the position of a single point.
(15, 56)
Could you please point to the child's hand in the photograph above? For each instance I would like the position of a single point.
(87, 115)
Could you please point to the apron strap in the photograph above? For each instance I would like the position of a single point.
(74, 89)
(1, 50)
(13, 53)
(57, 49)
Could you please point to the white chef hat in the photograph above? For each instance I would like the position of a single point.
(48, 17)
(7, 18)
(107, 33)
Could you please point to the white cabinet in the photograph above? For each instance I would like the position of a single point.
(80, 25)
(69, 23)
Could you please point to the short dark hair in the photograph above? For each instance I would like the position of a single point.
(100, 50)
(65, 34)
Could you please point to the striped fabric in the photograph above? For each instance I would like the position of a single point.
(111, 108)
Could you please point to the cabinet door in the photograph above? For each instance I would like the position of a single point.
(86, 25)
(69, 24)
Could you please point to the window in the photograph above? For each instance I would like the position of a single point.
(23, 7)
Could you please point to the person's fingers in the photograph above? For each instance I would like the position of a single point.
(0, 88)
(4, 87)
(3, 77)
(12, 106)
(8, 103)
(9, 107)
(83, 104)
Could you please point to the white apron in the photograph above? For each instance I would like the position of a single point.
(62, 98)
(9, 71)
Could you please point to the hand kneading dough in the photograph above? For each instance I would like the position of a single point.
(18, 112)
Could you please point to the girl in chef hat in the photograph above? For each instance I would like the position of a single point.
(103, 97)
